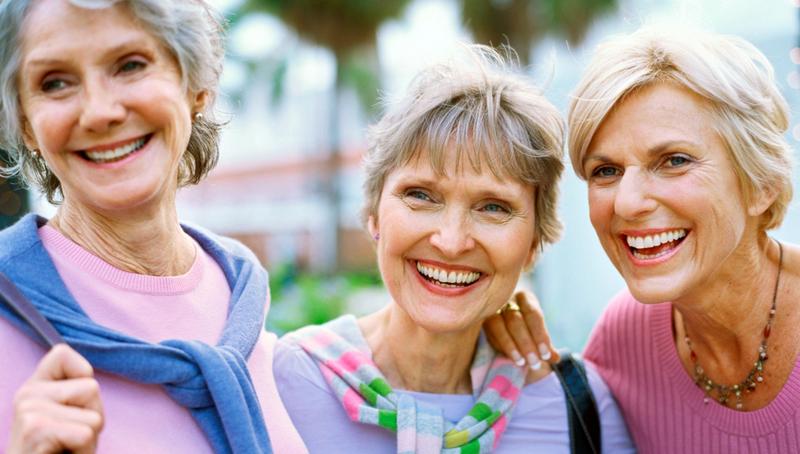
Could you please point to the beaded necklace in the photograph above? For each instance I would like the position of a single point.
(728, 393)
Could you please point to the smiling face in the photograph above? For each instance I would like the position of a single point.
(103, 101)
(663, 196)
(452, 247)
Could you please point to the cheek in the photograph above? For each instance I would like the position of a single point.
(51, 126)
(601, 208)
(165, 106)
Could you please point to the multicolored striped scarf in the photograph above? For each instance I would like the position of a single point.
(343, 356)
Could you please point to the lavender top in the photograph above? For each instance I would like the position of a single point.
(538, 422)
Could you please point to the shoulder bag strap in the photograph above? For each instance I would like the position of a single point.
(28, 312)
(582, 415)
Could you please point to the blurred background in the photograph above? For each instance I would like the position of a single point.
(303, 80)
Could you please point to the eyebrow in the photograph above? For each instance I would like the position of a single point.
(120, 48)
(651, 152)
(483, 193)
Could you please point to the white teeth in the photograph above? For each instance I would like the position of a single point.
(444, 277)
(116, 153)
(649, 241)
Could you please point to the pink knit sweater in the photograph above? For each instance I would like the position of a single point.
(634, 351)
(139, 417)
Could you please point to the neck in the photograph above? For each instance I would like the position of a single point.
(725, 319)
(416, 359)
(149, 242)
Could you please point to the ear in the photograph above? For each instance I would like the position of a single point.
(201, 100)
(761, 200)
(372, 226)
(28, 138)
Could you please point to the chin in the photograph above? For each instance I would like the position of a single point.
(442, 322)
(653, 292)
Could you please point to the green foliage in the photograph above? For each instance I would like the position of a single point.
(340, 25)
(520, 23)
(309, 299)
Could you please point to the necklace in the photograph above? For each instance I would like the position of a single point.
(728, 393)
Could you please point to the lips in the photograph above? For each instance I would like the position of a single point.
(653, 245)
(448, 278)
(115, 152)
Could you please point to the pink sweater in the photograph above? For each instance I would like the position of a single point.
(142, 418)
(634, 351)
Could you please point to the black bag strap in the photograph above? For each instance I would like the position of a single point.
(582, 415)
(28, 312)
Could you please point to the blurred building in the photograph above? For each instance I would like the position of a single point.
(279, 209)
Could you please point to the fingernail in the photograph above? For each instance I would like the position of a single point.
(544, 351)
(517, 358)
(534, 362)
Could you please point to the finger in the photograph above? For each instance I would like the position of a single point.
(73, 437)
(515, 324)
(534, 320)
(500, 339)
(50, 427)
(80, 392)
(62, 362)
(33, 409)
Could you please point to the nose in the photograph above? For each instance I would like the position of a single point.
(453, 236)
(101, 107)
(633, 198)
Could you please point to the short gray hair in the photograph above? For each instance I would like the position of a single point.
(750, 114)
(488, 111)
(190, 29)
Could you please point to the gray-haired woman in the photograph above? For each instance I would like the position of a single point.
(461, 188)
(106, 107)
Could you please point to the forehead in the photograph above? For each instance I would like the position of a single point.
(59, 27)
(454, 168)
(655, 114)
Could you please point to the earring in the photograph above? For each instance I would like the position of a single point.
(198, 116)
(36, 154)
(376, 237)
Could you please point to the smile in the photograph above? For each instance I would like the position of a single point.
(656, 245)
(117, 153)
(446, 278)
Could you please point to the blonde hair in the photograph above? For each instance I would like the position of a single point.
(750, 114)
(487, 111)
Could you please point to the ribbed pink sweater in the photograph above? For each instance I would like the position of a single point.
(634, 351)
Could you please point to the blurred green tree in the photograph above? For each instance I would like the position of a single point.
(521, 23)
(348, 28)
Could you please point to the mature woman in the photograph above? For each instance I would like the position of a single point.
(106, 107)
(461, 187)
(680, 137)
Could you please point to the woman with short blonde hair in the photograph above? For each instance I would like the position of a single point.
(680, 138)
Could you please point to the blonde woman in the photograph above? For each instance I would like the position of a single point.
(680, 138)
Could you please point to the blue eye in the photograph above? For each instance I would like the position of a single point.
(677, 160)
(605, 172)
(495, 208)
(417, 194)
(131, 65)
(53, 85)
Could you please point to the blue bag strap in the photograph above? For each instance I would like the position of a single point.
(582, 414)
(28, 312)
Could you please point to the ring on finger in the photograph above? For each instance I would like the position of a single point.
(509, 306)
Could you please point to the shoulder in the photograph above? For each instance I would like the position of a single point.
(17, 239)
(623, 317)
(615, 435)
(213, 242)
(293, 367)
